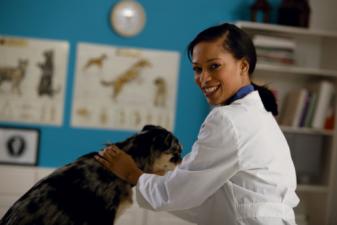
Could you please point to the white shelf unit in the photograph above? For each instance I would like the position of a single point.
(316, 59)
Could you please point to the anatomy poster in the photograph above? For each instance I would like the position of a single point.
(124, 88)
(32, 80)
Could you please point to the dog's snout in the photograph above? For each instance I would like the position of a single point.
(176, 159)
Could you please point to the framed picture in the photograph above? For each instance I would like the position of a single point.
(19, 145)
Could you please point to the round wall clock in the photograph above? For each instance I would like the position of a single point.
(128, 18)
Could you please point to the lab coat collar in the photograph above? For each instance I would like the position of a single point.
(242, 92)
(253, 98)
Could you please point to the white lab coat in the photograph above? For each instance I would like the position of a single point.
(239, 172)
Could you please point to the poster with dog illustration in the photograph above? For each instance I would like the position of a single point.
(32, 80)
(124, 88)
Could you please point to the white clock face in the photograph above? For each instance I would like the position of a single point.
(128, 18)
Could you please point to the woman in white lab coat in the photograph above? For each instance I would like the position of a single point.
(239, 170)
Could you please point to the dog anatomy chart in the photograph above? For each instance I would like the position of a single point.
(32, 80)
(124, 88)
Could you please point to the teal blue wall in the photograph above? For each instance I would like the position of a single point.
(170, 26)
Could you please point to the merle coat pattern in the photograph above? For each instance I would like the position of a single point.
(84, 192)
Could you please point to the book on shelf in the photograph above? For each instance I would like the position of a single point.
(329, 122)
(269, 59)
(310, 107)
(274, 42)
(293, 108)
(275, 50)
(305, 109)
(325, 90)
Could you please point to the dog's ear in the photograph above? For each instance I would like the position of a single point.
(163, 141)
(162, 138)
(150, 127)
(140, 144)
(151, 137)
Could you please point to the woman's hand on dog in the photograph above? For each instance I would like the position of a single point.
(120, 163)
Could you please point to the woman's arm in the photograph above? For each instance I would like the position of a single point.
(120, 163)
(214, 159)
(211, 163)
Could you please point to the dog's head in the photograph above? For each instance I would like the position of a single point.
(154, 149)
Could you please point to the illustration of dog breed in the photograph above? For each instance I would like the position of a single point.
(46, 80)
(85, 193)
(96, 61)
(15, 75)
(160, 95)
(129, 75)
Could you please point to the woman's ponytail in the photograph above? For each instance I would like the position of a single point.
(268, 98)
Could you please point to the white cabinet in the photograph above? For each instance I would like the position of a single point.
(315, 55)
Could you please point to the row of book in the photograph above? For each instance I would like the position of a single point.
(311, 107)
(275, 50)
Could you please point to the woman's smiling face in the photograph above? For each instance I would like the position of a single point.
(218, 74)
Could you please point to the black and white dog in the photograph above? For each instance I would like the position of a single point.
(85, 193)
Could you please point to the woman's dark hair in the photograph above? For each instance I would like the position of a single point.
(240, 45)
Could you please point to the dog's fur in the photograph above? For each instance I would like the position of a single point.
(85, 193)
